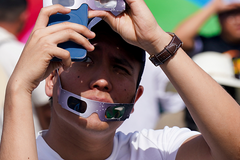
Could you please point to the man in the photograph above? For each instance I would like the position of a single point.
(228, 39)
(13, 15)
(108, 78)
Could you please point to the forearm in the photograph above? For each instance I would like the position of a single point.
(18, 137)
(214, 111)
(190, 27)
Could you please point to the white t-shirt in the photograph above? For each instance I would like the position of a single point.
(145, 145)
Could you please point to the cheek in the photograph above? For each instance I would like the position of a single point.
(126, 92)
(75, 84)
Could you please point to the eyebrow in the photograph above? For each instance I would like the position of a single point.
(116, 59)
(122, 61)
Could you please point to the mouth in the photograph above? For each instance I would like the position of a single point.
(100, 99)
(98, 96)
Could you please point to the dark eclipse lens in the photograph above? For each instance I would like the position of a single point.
(114, 112)
(77, 104)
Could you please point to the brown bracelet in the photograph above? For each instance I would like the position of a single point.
(168, 51)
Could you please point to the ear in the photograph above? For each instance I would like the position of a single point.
(49, 84)
(138, 95)
(24, 16)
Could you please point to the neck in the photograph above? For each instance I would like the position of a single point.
(71, 143)
(230, 39)
(12, 27)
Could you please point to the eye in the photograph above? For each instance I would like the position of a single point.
(121, 69)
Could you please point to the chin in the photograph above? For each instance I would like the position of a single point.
(94, 124)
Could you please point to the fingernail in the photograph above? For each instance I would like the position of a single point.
(92, 33)
(93, 47)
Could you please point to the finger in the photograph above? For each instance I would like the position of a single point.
(105, 15)
(64, 26)
(64, 55)
(46, 12)
(67, 35)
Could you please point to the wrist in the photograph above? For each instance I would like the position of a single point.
(213, 7)
(168, 52)
(163, 40)
(16, 86)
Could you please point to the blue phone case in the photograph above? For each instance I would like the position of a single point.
(80, 16)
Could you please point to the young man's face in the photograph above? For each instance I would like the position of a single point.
(108, 74)
(230, 23)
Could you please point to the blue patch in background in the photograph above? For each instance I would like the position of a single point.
(200, 3)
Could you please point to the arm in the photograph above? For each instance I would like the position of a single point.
(34, 65)
(189, 28)
(214, 111)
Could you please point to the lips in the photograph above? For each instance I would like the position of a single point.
(100, 99)
(97, 96)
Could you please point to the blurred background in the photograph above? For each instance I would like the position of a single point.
(168, 14)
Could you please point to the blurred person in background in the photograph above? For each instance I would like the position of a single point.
(13, 16)
(34, 7)
(228, 38)
(228, 13)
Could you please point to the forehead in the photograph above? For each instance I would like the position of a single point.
(231, 12)
(116, 47)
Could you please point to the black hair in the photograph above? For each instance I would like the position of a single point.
(233, 11)
(11, 9)
(136, 52)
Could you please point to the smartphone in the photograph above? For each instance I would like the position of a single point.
(79, 14)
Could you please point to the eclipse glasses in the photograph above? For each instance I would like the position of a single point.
(107, 5)
(84, 107)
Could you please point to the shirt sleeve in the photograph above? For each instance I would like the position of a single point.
(169, 140)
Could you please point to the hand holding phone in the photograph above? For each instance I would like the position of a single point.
(79, 14)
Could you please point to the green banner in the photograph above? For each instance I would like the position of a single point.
(169, 13)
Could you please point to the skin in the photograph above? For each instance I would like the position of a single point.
(231, 28)
(16, 26)
(206, 100)
(189, 28)
(113, 81)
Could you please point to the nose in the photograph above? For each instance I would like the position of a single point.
(101, 81)
(237, 18)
